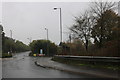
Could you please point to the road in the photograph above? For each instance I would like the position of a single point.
(22, 66)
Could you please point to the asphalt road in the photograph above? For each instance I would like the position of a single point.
(23, 66)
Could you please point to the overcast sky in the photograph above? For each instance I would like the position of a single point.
(29, 19)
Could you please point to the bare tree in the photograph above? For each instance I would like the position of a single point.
(82, 28)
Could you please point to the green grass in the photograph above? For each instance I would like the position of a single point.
(81, 64)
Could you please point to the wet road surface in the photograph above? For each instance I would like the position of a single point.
(23, 66)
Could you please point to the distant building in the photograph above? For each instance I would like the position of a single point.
(1, 29)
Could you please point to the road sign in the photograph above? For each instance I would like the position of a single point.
(41, 51)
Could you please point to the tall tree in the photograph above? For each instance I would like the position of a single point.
(105, 33)
(82, 28)
(98, 9)
(36, 45)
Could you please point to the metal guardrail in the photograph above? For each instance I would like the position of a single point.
(91, 58)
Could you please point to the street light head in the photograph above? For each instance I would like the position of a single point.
(55, 8)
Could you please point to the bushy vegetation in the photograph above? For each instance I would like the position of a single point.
(72, 48)
(49, 48)
(10, 45)
(6, 55)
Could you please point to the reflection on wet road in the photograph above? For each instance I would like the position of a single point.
(22, 66)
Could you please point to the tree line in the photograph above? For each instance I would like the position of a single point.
(10, 45)
(49, 48)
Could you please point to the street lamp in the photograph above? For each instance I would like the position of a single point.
(11, 39)
(60, 23)
(47, 32)
(47, 42)
(11, 34)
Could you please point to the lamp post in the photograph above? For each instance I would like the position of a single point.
(60, 23)
(47, 42)
(11, 39)
(11, 34)
(47, 32)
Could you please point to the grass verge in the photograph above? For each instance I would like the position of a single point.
(6, 55)
(87, 63)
